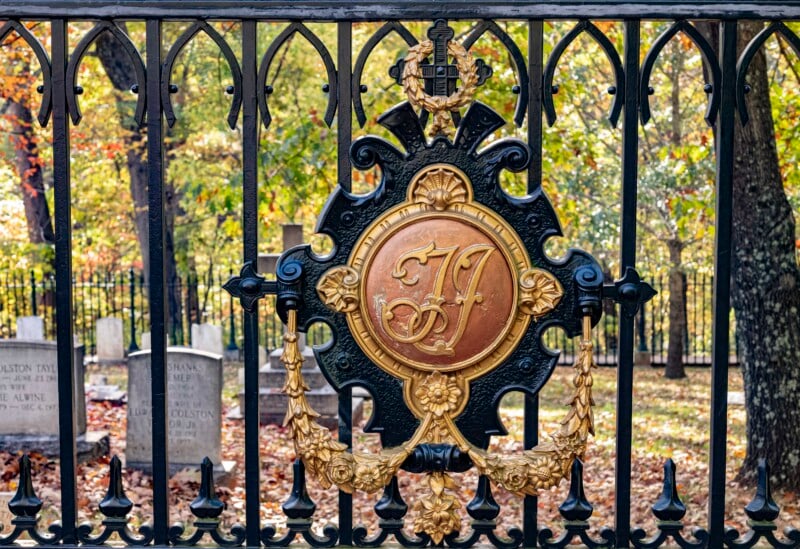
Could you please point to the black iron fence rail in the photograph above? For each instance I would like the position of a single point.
(331, 10)
(56, 85)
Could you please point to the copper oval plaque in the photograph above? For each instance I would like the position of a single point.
(433, 284)
(438, 293)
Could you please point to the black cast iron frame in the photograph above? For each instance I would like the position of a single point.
(61, 103)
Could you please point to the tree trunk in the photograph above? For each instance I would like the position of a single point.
(28, 164)
(766, 287)
(677, 312)
(677, 289)
(120, 71)
(118, 67)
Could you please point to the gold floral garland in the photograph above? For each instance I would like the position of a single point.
(437, 105)
(439, 395)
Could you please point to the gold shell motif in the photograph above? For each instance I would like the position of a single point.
(439, 188)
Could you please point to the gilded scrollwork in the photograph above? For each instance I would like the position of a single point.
(545, 465)
(326, 459)
(338, 289)
(539, 292)
(441, 398)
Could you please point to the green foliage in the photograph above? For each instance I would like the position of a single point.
(297, 154)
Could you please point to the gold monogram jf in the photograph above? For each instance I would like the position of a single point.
(424, 324)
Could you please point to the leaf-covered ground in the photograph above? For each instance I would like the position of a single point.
(671, 419)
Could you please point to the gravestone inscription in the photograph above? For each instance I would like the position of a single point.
(29, 413)
(194, 408)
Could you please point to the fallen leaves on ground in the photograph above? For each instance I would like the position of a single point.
(671, 419)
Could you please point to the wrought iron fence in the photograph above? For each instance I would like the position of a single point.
(123, 295)
(58, 67)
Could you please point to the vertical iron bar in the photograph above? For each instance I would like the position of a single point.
(83, 312)
(630, 173)
(344, 135)
(119, 293)
(34, 308)
(92, 313)
(186, 332)
(132, 281)
(653, 325)
(535, 73)
(530, 509)
(158, 283)
(231, 323)
(65, 345)
(175, 316)
(685, 306)
(641, 329)
(704, 283)
(108, 294)
(250, 227)
(17, 299)
(661, 320)
(51, 309)
(722, 277)
(4, 303)
(141, 303)
(693, 339)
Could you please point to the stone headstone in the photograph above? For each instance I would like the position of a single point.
(30, 328)
(292, 235)
(642, 358)
(106, 393)
(110, 345)
(29, 399)
(321, 396)
(207, 337)
(5, 513)
(736, 398)
(145, 340)
(194, 408)
(267, 263)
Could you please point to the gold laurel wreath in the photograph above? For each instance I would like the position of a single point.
(331, 463)
(439, 106)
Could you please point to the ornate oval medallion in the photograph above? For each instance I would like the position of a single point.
(438, 293)
(438, 282)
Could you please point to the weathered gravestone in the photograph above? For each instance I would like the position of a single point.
(207, 337)
(321, 396)
(30, 328)
(29, 400)
(194, 409)
(5, 514)
(110, 345)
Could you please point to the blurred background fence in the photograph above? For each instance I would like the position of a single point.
(200, 299)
